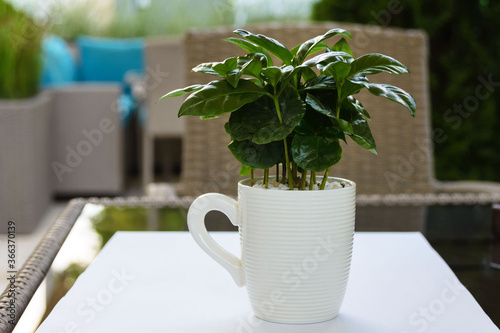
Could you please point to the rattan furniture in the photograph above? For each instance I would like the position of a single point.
(87, 140)
(401, 176)
(164, 71)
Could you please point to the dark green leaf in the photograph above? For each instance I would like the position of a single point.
(318, 106)
(182, 91)
(315, 153)
(246, 121)
(321, 82)
(394, 94)
(219, 97)
(292, 110)
(256, 156)
(226, 66)
(355, 125)
(307, 47)
(250, 47)
(342, 46)
(359, 107)
(374, 63)
(353, 86)
(269, 44)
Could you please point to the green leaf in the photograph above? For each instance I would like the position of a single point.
(308, 74)
(355, 125)
(342, 46)
(269, 44)
(245, 170)
(219, 97)
(374, 63)
(394, 94)
(317, 48)
(259, 122)
(272, 74)
(315, 153)
(256, 156)
(339, 70)
(359, 107)
(226, 66)
(318, 106)
(182, 91)
(353, 86)
(321, 82)
(307, 47)
(250, 47)
(318, 123)
(206, 68)
(252, 64)
(326, 58)
(292, 110)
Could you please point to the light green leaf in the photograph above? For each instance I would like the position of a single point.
(342, 46)
(182, 91)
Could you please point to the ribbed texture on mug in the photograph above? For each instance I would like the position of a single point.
(296, 251)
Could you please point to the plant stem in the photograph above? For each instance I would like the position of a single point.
(312, 180)
(277, 172)
(266, 178)
(290, 180)
(251, 176)
(304, 176)
(283, 179)
(294, 172)
(325, 178)
(278, 112)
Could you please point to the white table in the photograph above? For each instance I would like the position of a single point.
(162, 282)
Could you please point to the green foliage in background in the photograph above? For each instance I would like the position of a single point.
(20, 53)
(113, 219)
(160, 17)
(464, 54)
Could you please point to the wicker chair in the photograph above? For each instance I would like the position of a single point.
(165, 68)
(401, 175)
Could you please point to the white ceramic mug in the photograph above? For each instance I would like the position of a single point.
(296, 248)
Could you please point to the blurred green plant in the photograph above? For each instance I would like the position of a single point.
(113, 219)
(464, 54)
(20, 53)
(172, 17)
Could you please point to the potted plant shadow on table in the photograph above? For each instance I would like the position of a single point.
(25, 189)
(296, 226)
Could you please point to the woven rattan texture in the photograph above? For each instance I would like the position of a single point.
(29, 277)
(404, 163)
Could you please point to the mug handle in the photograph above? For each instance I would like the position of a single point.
(196, 223)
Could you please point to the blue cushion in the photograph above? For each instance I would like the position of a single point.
(58, 64)
(108, 59)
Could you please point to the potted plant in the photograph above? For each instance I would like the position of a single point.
(25, 189)
(292, 116)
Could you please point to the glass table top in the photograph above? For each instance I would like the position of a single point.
(460, 234)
